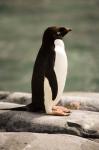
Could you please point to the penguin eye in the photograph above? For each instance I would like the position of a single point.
(58, 33)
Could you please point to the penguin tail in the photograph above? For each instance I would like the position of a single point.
(23, 108)
(28, 108)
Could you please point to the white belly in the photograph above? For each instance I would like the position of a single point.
(60, 69)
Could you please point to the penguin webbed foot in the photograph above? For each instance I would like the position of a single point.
(60, 111)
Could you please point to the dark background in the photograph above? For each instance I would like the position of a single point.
(22, 23)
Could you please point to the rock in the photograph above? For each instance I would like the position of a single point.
(81, 123)
(66, 132)
(4, 95)
(38, 141)
(84, 123)
(15, 97)
(88, 101)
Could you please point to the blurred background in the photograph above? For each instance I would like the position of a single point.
(22, 23)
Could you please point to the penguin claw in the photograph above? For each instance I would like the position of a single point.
(60, 111)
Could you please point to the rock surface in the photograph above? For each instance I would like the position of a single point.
(38, 141)
(70, 132)
(81, 123)
(15, 97)
(88, 101)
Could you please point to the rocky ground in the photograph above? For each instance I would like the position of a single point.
(21, 130)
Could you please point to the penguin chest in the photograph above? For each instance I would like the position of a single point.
(60, 68)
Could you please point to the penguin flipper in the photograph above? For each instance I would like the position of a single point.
(51, 76)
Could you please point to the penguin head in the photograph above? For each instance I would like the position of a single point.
(53, 33)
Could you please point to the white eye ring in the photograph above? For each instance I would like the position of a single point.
(58, 33)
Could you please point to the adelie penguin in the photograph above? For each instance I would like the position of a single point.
(49, 74)
(50, 71)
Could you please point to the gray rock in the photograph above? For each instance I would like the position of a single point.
(89, 101)
(84, 123)
(37, 141)
(4, 94)
(15, 97)
(81, 123)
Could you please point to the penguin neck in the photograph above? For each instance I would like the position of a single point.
(59, 42)
(51, 45)
(59, 46)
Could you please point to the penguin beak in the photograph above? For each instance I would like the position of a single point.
(64, 31)
(68, 30)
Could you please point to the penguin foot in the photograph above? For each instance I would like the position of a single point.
(60, 111)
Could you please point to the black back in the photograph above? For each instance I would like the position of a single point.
(44, 67)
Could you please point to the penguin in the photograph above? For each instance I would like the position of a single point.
(49, 74)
